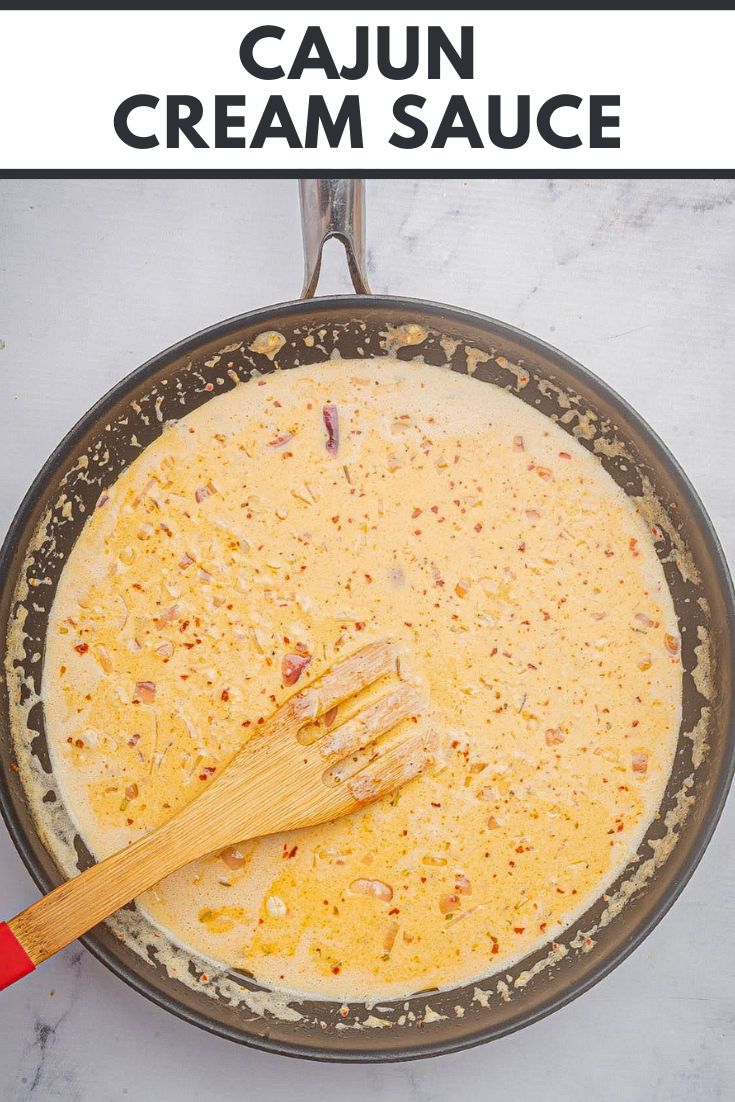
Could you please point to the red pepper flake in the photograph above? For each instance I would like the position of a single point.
(292, 667)
(224, 695)
(478, 527)
(633, 545)
(289, 853)
(331, 423)
(336, 969)
(134, 740)
(416, 512)
(519, 929)
(81, 648)
(564, 455)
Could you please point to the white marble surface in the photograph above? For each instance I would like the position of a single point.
(634, 278)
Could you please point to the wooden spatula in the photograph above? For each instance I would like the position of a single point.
(294, 772)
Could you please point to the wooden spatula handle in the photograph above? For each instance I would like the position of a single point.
(80, 903)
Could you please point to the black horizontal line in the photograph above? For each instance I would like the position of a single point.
(369, 174)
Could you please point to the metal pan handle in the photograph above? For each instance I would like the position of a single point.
(333, 208)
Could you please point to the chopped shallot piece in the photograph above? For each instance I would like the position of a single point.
(131, 791)
(292, 667)
(204, 492)
(330, 716)
(331, 423)
(492, 823)
(233, 857)
(553, 736)
(671, 643)
(390, 936)
(462, 884)
(376, 888)
(275, 906)
(103, 657)
(518, 444)
(639, 763)
(145, 692)
(280, 440)
(166, 617)
(645, 620)
(449, 902)
(165, 650)
(644, 663)
(544, 472)
(462, 587)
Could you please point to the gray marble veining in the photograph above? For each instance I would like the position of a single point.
(634, 278)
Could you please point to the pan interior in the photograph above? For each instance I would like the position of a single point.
(133, 415)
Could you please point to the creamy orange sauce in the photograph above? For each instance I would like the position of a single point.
(455, 519)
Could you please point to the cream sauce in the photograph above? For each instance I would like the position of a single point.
(454, 518)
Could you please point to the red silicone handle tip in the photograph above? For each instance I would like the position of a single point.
(14, 961)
